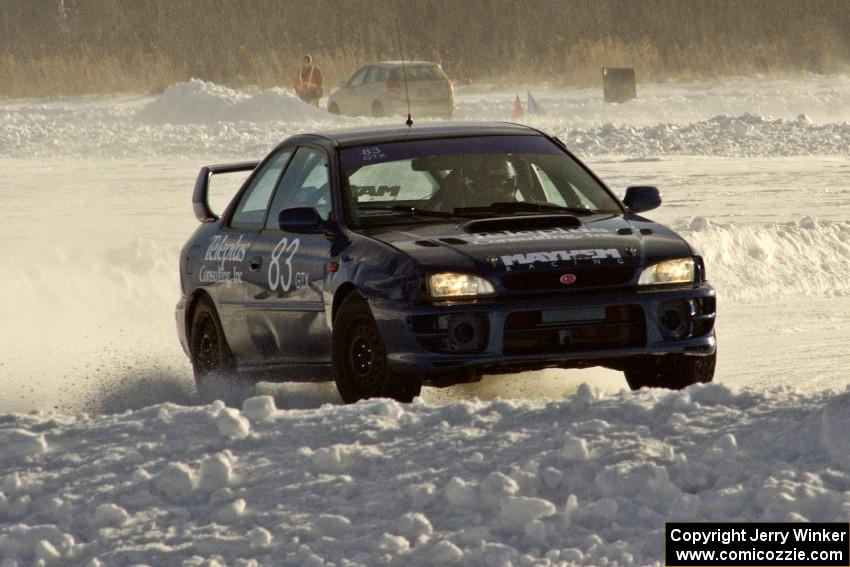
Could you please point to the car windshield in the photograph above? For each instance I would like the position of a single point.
(427, 180)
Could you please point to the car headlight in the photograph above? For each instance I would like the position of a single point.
(680, 270)
(448, 285)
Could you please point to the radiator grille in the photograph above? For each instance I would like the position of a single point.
(574, 330)
(584, 278)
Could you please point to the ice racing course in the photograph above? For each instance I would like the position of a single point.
(110, 457)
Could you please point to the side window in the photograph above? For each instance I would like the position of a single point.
(375, 74)
(251, 210)
(358, 77)
(305, 184)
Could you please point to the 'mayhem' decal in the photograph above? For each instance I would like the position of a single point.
(555, 257)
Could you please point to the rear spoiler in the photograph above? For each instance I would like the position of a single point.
(200, 201)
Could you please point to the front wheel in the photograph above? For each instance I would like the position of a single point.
(360, 358)
(333, 108)
(673, 371)
(377, 109)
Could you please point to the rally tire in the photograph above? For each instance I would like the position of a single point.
(333, 108)
(213, 364)
(377, 109)
(360, 360)
(672, 371)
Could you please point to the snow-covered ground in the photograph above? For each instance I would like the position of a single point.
(95, 194)
(586, 481)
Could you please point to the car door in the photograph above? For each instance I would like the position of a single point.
(223, 260)
(285, 307)
(360, 100)
(374, 88)
(346, 98)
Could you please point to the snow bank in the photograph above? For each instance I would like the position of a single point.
(763, 262)
(470, 483)
(201, 102)
(194, 118)
(198, 118)
(746, 135)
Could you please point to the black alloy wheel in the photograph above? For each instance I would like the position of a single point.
(360, 359)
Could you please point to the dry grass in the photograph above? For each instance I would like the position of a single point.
(81, 74)
(145, 45)
(86, 74)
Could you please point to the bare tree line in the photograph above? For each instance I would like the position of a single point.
(65, 46)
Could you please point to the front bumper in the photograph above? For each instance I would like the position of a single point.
(555, 330)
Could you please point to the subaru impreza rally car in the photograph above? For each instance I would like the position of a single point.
(385, 259)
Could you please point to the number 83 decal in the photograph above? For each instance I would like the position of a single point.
(280, 276)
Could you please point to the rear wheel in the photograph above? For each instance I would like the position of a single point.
(333, 108)
(360, 359)
(673, 371)
(212, 361)
(377, 109)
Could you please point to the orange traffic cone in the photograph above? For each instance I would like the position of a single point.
(517, 113)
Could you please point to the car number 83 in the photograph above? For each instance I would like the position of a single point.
(281, 270)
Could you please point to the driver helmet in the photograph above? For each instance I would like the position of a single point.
(492, 175)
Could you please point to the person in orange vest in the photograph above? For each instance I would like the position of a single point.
(308, 85)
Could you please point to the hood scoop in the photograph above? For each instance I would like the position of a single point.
(436, 243)
(453, 241)
(533, 222)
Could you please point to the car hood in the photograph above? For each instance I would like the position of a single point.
(526, 243)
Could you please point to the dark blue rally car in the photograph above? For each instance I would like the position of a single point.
(385, 259)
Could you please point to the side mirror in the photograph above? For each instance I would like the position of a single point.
(300, 219)
(642, 198)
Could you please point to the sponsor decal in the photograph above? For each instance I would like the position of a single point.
(361, 191)
(221, 250)
(220, 275)
(555, 258)
(508, 236)
(225, 249)
(568, 279)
